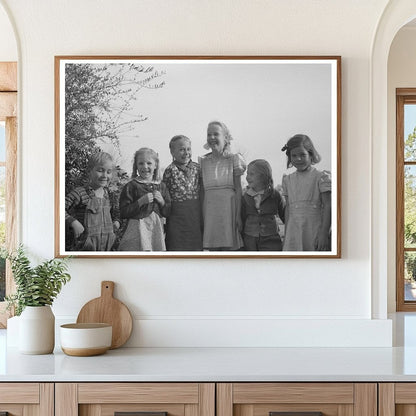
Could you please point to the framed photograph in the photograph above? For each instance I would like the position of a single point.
(198, 156)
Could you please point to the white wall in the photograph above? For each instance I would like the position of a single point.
(211, 301)
(401, 74)
(8, 46)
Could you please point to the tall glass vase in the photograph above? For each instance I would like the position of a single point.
(37, 330)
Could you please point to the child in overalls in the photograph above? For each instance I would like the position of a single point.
(91, 211)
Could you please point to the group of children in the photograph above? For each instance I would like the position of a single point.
(202, 206)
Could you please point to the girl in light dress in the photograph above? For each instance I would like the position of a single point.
(91, 211)
(262, 206)
(308, 198)
(221, 177)
(183, 180)
(144, 201)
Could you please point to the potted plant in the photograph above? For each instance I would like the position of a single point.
(36, 289)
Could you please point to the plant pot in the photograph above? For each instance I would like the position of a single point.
(37, 330)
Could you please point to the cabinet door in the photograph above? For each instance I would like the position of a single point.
(142, 399)
(297, 399)
(26, 399)
(397, 399)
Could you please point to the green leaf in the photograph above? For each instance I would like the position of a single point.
(35, 286)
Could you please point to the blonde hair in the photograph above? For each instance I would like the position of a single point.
(98, 159)
(153, 155)
(227, 135)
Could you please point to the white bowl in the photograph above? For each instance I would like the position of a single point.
(85, 339)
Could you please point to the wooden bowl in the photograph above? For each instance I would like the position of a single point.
(84, 340)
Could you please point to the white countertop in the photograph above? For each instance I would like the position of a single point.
(215, 364)
(222, 364)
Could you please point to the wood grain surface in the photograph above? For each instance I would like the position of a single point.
(111, 311)
(8, 76)
(84, 352)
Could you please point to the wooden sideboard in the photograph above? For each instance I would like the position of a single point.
(208, 399)
(27, 399)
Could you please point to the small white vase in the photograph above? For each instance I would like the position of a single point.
(37, 330)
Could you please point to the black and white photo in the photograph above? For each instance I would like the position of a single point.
(197, 156)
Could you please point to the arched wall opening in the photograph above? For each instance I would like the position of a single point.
(8, 150)
(396, 15)
(401, 75)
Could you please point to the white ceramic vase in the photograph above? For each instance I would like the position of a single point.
(37, 330)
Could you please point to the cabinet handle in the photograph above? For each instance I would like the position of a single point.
(295, 413)
(138, 414)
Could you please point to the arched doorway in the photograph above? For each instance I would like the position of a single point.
(8, 150)
(396, 15)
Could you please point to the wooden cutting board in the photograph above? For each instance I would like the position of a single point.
(109, 310)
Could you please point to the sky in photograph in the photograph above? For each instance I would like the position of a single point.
(262, 104)
(409, 119)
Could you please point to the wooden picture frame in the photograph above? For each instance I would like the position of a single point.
(119, 104)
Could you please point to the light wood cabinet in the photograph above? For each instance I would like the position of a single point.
(105, 399)
(208, 399)
(27, 399)
(331, 399)
(397, 399)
